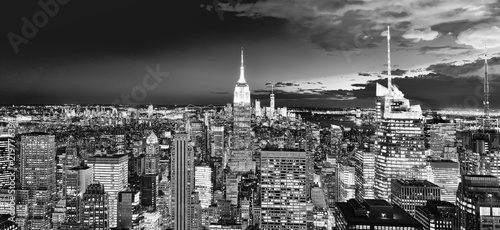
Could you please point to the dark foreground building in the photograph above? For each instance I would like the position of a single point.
(373, 214)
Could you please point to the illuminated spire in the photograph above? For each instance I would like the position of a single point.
(389, 77)
(242, 70)
(486, 84)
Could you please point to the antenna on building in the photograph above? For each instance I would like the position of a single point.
(389, 77)
(486, 84)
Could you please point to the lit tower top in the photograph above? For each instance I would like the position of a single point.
(242, 70)
(242, 91)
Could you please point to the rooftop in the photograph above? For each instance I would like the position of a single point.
(400, 217)
(415, 183)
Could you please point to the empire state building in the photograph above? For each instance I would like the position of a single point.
(242, 112)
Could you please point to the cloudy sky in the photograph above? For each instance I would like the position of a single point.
(315, 52)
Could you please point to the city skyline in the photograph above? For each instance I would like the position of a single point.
(314, 52)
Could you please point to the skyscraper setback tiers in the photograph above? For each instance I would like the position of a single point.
(242, 113)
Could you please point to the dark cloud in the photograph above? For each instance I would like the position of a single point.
(364, 74)
(456, 27)
(284, 84)
(396, 72)
(450, 69)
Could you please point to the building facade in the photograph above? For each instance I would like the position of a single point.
(283, 190)
(409, 194)
(111, 171)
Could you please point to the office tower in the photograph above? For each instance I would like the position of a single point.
(95, 207)
(283, 190)
(128, 209)
(149, 182)
(242, 113)
(478, 202)
(373, 214)
(441, 135)
(112, 172)
(258, 108)
(347, 176)
(331, 185)
(408, 194)
(438, 215)
(78, 178)
(400, 140)
(365, 174)
(203, 184)
(218, 145)
(38, 177)
(446, 175)
(184, 203)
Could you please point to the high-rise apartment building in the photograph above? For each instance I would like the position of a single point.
(242, 113)
(185, 205)
(283, 190)
(111, 171)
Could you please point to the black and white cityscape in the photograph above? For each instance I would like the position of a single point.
(250, 114)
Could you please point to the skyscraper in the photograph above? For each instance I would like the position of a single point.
(95, 207)
(78, 178)
(184, 200)
(365, 175)
(128, 209)
(218, 145)
(242, 113)
(258, 108)
(38, 177)
(203, 184)
(283, 193)
(445, 174)
(400, 140)
(112, 172)
(149, 182)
